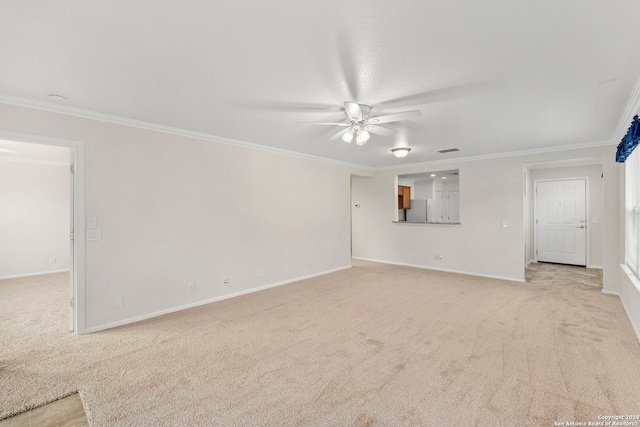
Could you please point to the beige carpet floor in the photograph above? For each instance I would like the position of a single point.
(373, 345)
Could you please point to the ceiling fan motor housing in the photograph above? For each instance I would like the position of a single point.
(366, 110)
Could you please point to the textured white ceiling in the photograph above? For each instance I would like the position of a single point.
(489, 77)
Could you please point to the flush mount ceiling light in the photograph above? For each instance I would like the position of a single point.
(401, 152)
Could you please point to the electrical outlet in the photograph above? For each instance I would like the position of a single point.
(225, 280)
(192, 287)
(439, 257)
(52, 260)
(119, 302)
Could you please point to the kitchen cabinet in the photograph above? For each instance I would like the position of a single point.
(404, 197)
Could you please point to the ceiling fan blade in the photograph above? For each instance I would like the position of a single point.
(352, 110)
(396, 117)
(281, 106)
(379, 130)
(349, 64)
(440, 94)
(331, 124)
(338, 135)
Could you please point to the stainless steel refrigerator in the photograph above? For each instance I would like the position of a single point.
(420, 211)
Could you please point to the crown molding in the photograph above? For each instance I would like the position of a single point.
(633, 105)
(501, 155)
(632, 108)
(92, 115)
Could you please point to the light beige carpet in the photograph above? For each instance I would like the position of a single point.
(372, 345)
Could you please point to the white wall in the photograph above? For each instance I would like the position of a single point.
(596, 205)
(174, 210)
(34, 218)
(627, 286)
(491, 190)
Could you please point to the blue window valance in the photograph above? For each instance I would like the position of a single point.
(629, 142)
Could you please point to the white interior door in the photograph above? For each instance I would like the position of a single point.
(561, 221)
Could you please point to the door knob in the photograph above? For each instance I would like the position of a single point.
(581, 226)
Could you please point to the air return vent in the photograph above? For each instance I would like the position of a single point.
(448, 150)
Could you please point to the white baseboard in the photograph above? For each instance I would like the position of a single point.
(597, 267)
(207, 301)
(635, 287)
(40, 273)
(529, 262)
(467, 273)
(626, 310)
(633, 325)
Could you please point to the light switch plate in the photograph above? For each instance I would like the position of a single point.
(92, 223)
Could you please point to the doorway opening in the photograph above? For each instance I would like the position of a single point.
(564, 206)
(42, 218)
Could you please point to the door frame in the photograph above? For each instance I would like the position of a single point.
(77, 270)
(587, 236)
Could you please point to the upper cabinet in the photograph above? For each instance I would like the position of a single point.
(404, 197)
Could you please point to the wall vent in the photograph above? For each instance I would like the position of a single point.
(448, 150)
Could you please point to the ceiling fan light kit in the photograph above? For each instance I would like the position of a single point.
(362, 136)
(360, 124)
(401, 151)
(348, 135)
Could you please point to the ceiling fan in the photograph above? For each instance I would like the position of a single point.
(360, 124)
